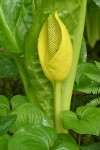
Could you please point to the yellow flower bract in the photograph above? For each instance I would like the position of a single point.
(55, 49)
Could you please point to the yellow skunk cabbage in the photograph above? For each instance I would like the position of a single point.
(55, 49)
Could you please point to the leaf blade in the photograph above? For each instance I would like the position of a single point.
(85, 121)
(15, 16)
(42, 86)
(39, 137)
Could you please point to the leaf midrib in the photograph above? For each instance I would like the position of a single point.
(9, 34)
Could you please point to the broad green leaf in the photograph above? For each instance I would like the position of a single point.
(25, 79)
(93, 77)
(18, 100)
(15, 21)
(66, 142)
(6, 123)
(7, 65)
(72, 13)
(27, 114)
(97, 2)
(95, 146)
(4, 105)
(97, 64)
(33, 137)
(67, 11)
(86, 120)
(89, 1)
(93, 22)
(82, 80)
(40, 83)
(4, 142)
(83, 52)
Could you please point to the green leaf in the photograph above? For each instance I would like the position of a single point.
(93, 22)
(93, 77)
(97, 64)
(7, 65)
(82, 80)
(72, 13)
(25, 79)
(4, 142)
(40, 83)
(18, 100)
(6, 123)
(83, 52)
(27, 114)
(95, 146)
(29, 137)
(86, 120)
(15, 21)
(66, 142)
(90, 90)
(97, 2)
(4, 105)
(94, 102)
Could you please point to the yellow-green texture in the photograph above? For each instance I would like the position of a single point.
(55, 49)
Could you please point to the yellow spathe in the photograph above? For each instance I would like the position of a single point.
(55, 49)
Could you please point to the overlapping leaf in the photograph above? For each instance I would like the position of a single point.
(97, 2)
(15, 20)
(7, 65)
(83, 52)
(40, 137)
(70, 14)
(4, 142)
(40, 83)
(27, 114)
(81, 79)
(6, 123)
(29, 137)
(18, 100)
(93, 27)
(66, 142)
(86, 120)
(4, 105)
(94, 146)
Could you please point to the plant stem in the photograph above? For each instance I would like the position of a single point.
(67, 86)
(57, 106)
(79, 140)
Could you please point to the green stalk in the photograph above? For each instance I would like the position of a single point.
(79, 140)
(67, 85)
(57, 106)
(30, 93)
